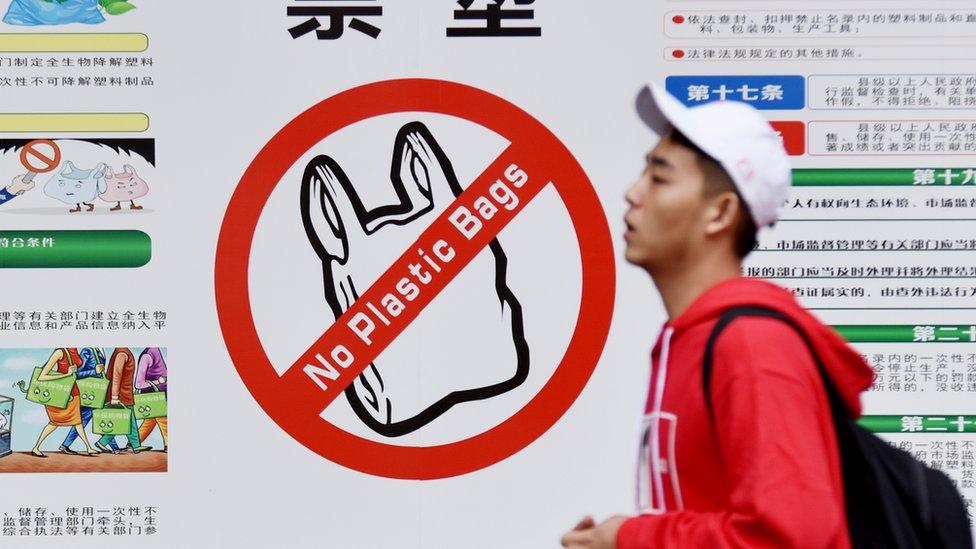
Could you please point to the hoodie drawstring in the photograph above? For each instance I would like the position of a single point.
(660, 377)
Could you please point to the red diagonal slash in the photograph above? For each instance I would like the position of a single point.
(300, 379)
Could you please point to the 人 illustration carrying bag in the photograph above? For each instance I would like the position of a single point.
(54, 393)
(892, 500)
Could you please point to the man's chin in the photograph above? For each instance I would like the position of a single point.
(642, 259)
(634, 258)
(630, 256)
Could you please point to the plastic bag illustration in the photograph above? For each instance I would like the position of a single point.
(429, 373)
(124, 186)
(53, 12)
(61, 12)
(74, 186)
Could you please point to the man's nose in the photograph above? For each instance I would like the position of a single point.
(632, 196)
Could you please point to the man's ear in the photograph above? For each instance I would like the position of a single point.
(721, 213)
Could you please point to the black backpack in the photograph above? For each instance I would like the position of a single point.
(892, 499)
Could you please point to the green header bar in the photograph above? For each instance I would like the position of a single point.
(884, 177)
(919, 424)
(907, 333)
(74, 249)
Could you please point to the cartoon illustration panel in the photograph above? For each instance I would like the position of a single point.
(83, 409)
(76, 176)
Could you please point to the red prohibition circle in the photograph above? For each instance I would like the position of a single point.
(32, 151)
(573, 187)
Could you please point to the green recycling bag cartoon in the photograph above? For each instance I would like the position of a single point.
(111, 421)
(55, 393)
(150, 405)
(93, 392)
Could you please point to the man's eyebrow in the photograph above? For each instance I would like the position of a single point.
(655, 160)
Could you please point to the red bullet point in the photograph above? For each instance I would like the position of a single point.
(678, 19)
(678, 54)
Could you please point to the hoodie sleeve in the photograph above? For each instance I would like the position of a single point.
(776, 442)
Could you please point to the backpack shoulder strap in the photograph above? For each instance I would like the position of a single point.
(837, 408)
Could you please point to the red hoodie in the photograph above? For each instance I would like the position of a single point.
(766, 473)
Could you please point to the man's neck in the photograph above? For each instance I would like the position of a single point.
(681, 285)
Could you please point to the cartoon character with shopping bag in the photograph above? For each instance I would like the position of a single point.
(92, 389)
(150, 398)
(53, 385)
(118, 416)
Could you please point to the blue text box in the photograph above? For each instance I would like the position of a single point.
(766, 92)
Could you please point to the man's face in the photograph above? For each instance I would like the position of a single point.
(664, 221)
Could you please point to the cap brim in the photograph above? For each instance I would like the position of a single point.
(650, 112)
(661, 111)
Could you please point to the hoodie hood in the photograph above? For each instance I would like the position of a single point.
(847, 370)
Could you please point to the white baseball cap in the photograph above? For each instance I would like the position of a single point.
(737, 136)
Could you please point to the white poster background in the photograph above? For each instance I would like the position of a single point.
(228, 78)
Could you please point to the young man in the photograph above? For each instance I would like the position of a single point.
(762, 469)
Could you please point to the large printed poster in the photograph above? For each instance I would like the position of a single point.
(380, 244)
